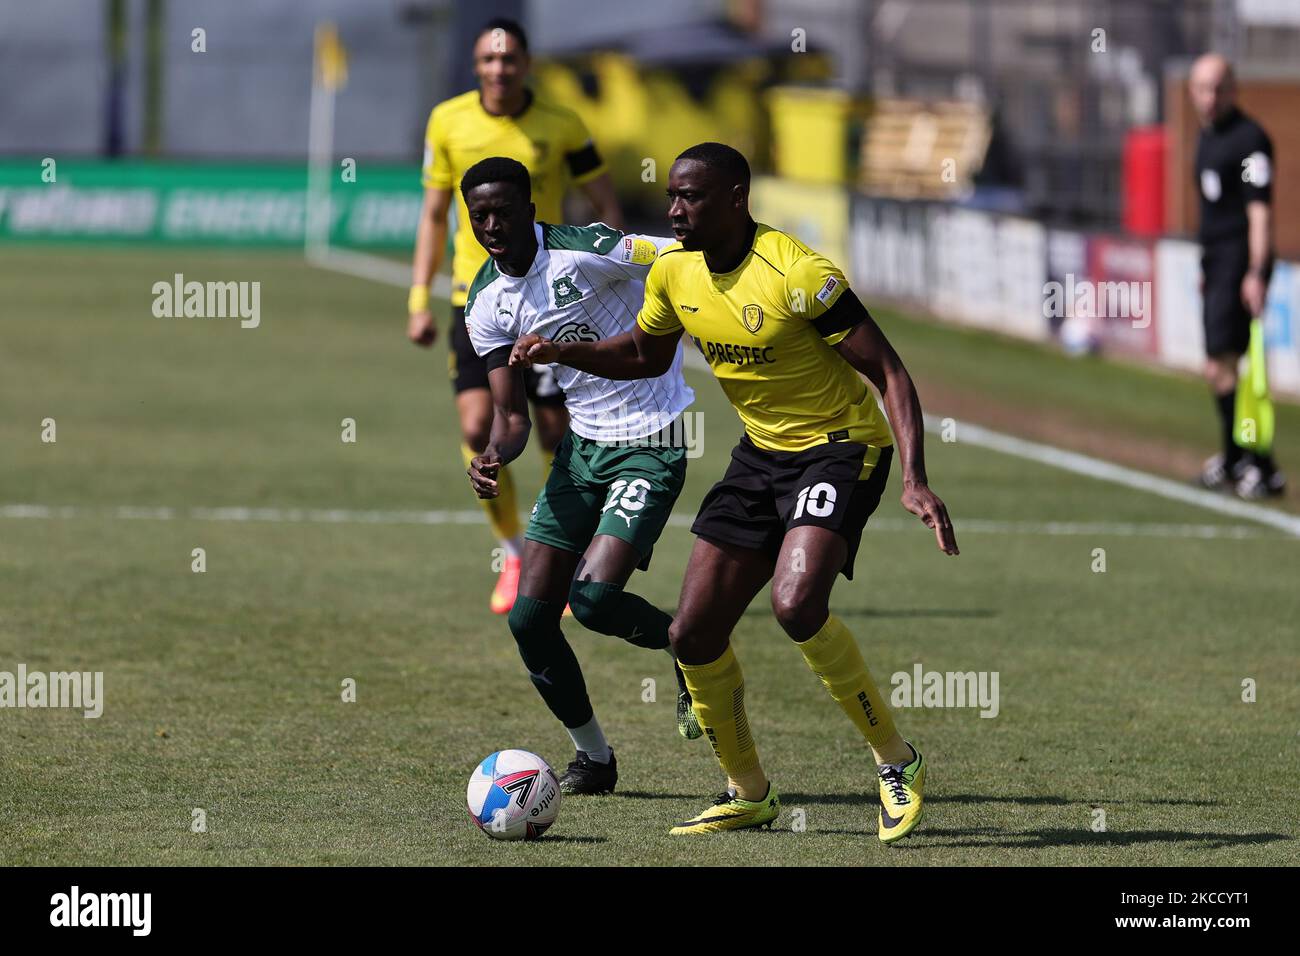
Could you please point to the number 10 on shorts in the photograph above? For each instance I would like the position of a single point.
(818, 499)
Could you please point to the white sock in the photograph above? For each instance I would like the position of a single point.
(590, 739)
(514, 546)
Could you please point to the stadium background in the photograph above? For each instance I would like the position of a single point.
(953, 156)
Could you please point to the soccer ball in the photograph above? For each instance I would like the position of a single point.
(513, 795)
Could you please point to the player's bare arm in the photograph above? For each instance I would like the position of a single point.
(600, 193)
(430, 241)
(1259, 218)
(870, 353)
(635, 354)
(510, 428)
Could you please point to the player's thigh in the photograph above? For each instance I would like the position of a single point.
(609, 560)
(836, 487)
(641, 485)
(550, 422)
(474, 407)
(546, 572)
(568, 507)
(720, 582)
(811, 557)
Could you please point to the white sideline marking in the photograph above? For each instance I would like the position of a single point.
(375, 268)
(475, 516)
(382, 270)
(1117, 474)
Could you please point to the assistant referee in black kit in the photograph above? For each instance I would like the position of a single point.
(1234, 178)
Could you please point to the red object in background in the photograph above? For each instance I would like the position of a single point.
(1144, 181)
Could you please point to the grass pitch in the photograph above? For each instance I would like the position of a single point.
(1119, 691)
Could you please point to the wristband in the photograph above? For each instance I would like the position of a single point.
(418, 300)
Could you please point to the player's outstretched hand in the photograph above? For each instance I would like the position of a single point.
(925, 504)
(532, 350)
(421, 329)
(483, 471)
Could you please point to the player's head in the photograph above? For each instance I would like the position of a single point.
(501, 58)
(708, 195)
(1213, 87)
(498, 195)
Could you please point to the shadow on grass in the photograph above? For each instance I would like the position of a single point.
(1081, 836)
(793, 799)
(561, 838)
(762, 610)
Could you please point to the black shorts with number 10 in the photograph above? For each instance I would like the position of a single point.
(766, 493)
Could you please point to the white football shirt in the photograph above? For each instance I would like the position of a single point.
(585, 284)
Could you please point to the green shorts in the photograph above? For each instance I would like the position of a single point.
(595, 488)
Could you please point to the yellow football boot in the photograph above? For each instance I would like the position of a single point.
(901, 800)
(729, 812)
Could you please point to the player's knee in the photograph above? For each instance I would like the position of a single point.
(533, 623)
(799, 612)
(694, 643)
(595, 605)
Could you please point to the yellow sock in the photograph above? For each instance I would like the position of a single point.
(833, 656)
(548, 459)
(718, 696)
(502, 511)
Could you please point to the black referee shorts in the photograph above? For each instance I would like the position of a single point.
(1226, 319)
(468, 371)
(766, 493)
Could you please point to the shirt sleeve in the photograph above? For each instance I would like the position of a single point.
(627, 255)
(486, 333)
(817, 290)
(1257, 170)
(580, 154)
(657, 315)
(435, 171)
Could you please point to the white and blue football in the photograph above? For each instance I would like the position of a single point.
(513, 795)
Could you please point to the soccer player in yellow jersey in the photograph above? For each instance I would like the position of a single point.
(786, 339)
(503, 117)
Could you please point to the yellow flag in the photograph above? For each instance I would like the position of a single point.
(1253, 428)
(331, 58)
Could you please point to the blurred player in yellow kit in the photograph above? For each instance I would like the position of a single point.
(789, 343)
(503, 117)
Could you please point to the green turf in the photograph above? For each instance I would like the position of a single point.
(1119, 690)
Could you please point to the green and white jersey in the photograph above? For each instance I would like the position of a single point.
(585, 284)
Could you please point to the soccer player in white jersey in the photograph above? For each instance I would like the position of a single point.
(617, 471)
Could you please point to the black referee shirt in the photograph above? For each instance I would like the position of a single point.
(1234, 166)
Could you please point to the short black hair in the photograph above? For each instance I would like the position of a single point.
(730, 162)
(509, 26)
(497, 169)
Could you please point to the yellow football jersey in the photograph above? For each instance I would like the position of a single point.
(548, 139)
(767, 330)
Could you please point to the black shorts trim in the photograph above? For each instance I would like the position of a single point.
(764, 494)
(469, 370)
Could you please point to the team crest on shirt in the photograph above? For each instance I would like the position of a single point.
(752, 316)
(565, 291)
(540, 148)
(576, 332)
